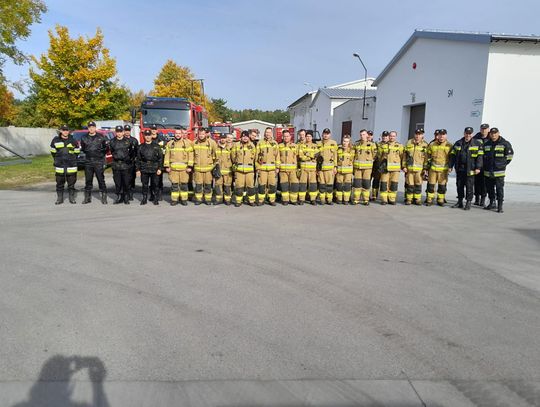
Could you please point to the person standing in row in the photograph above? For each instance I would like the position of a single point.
(64, 150)
(414, 158)
(288, 170)
(223, 183)
(466, 158)
(498, 153)
(135, 143)
(365, 153)
(178, 162)
(149, 165)
(161, 141)
(344, 171)
(204, 158)
(123, 155)
(308, 153)
(480, 191)
(267, 166)
(94, 147)
(391, 154)
(243, 158)
(437, 164)
(327, 161)
(301, 137)
(376, 173)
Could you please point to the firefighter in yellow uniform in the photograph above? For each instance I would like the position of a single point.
(437, 167)
(178, 162)
(414, 158)
(365, 154)
(308, 153)
(344, 176)
(288, 167)
(223, 183)
(391, 155)
(243, 158)
(327, 167)
(267, 166)
(204, 158)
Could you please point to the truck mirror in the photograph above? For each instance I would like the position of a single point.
(133, 115)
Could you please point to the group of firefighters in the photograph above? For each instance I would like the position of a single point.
(248, 170)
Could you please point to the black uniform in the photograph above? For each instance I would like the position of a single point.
(123, 155)
(94, 147)
(498, 155)
(160, 140)
(135, 145)
(480, 191)
(64, 152)
(149, 160)
(466, 157)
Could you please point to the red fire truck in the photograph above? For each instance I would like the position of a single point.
(169, 114)
(278, 133)
(224, 128)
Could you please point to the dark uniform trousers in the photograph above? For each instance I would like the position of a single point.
(495, 186)
(465, 185)
(122, 180)
(62, 179)
(480, 185)
(149, 178)
(97, 169)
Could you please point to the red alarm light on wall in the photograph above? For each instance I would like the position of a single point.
(414, 65)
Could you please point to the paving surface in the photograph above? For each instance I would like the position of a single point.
(288, 306)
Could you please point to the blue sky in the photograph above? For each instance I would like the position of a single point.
(259, 54)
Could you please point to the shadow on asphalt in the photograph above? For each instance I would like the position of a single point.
(55, 386)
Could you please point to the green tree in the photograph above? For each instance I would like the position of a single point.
(75, 81)
(223, 113)
(16, 17)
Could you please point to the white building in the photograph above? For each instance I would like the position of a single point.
(258, 125)
(315, 110)
(352, 116)
(451, 80)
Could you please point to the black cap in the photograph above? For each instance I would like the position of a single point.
(437, 131)
(484, 126)
(443, 131)
(309, 133)
(385, 133)
(90, 123)
(203, 129)
(419, 131)
(127, 127)
(494, 130)
(370, 132)
(64, 127)
(347, 136)
(119, 128)
(326, 131)
(245, 133)
(147, 132)
(153, 127)
(468, 130)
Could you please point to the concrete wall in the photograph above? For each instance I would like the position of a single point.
(442, 66)
(26, 141)
(511, 103)
(352, 111)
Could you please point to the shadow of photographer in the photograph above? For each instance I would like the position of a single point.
(56, 384)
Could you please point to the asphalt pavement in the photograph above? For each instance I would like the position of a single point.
(394, 306)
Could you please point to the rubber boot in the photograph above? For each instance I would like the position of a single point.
(104, 198)
(156, 200)
(160, 195)
(183, 203)
(144, 199)
(500, 206)
(467, 206)
(130, 195)
(126, 199)
(71, 193)
(490, 206)
(87, 197)
(477, 200)
(118, 199)
(458, 204)
(482, 200)
(59, 198)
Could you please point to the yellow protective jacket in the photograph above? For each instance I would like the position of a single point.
(178, 154)
(308, 154)
(224, 159)
(438, 156)
(328, 154)
(267, 155)
(204, 155)
(365, 155)
(414, 156)
(392, 152)
(345, 158)
(288, 157)
(243, 157)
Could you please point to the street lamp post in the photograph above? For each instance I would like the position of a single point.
(365, 85)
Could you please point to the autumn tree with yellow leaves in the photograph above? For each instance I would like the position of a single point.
(75, 81)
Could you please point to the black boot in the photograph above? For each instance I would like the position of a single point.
(72, 196)
(183, 203)
(482, 200)
(87, 197)
(104, 198)
(126, 199)
(160, 195)
(130, 195)
(118, 199)
(156, 200)
(490, 206)
(500, 206)
(174, 203)
(144, 199)
(477, 200)
(458, 204)
(59, 197)
(467, 206)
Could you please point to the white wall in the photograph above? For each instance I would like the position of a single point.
(511, 103)
(301, 115)
(26, 141)
(441, 65)
(352, 111)
(321, 113)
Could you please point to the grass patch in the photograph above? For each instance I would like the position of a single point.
(18, 175)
